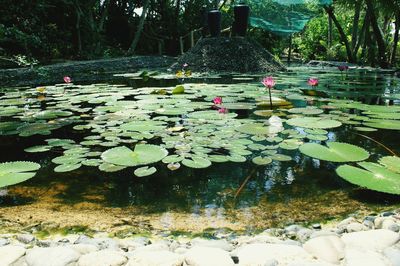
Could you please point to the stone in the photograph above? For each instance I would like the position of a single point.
(390, 224)
(153, 258)
(309, 263)
(101, 243)
(54, 256)
(206, 256)
(220, 243)
(378, 222)
(293, 228)
(9, 254)
(343, 224)
(316, 226)
(258, 254)
(371, 240)
(103, 258)
(355, 227)
(45, 243)
(357, 257)
(133, 243)
(327, 248)
(153, 247)
(4, 242)
(84, 248)
(369, 224)
(394, 227)
(323, 232)
(261, 238)
(386, 214)
(25, 238)
(393, 255)
(304, 234)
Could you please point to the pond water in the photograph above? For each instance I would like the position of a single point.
(238, 168)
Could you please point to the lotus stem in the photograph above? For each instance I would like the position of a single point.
(245, 182)
(270, 98)
(379, 143)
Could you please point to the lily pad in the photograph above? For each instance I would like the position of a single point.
(144, 171)
(391, 162)
(259, 160)
(374, 177)
(335, 152)
(197, 162)
(143, 154)
(12, 173)
(313, 122)
(66, 167)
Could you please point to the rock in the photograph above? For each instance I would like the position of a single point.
(56, 256)
(103, 258)
(390, 224)
(45, 243)
(355, 227)
(393, 255)
(4, 242)
(309, 263)
(9, 254)
(386, 214)
(84, 248)
(379, 221)
(371, 240)
(356, 257)
(206, 256)
(369, 224)
(261, 238)
(153, 247)
(370, 218)
(293, 228)
(304, 234)
(101, 243)
(220, 243)
(153, 258)
(343, 224)
(316, 226)
(327, 248)
(323, 232)
(258, 254)
(25, 238)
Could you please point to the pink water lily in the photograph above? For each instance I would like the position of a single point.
(217, 100)
(67, 79)
(185, 65)
(223, 110)
(313, 82)
(268, 82)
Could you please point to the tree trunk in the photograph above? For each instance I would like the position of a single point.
(139, 30)
(395, 39)
(356, 19)
(378, 35)
(362, 35)
(329, 11)
(330, 32)
(78, 27)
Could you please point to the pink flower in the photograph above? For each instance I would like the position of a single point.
(268, 82)
(222, 110)
(67, 79)
(217, 100)
(343, 68)
(312, 82)
(185, 65)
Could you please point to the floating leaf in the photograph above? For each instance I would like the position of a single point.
(12, 173)
(383, 124)
(143, 154)
(258, 129)
(313, 122)
(335, 152)
(144, 171)
(109, 167)
(259, 160)
(391, 162)
(66, 167)
(40, 148)
(196, 162)
(144, 126)
(375, 177)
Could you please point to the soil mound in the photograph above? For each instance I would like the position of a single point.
(223, 54)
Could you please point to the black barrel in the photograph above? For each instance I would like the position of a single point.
(241, 19)
(214, 22)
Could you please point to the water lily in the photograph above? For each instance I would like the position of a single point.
(185, 65)
(67, 79)
(217, 100)
(313, 82)
(269, 83)
(223, 110)
(343, 68)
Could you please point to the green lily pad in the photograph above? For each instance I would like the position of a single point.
(383, 124)
(375, 177)
(258, 129)
(197, 162)
(143, 154)
(144, 171)
(12, 173)
(391, 162)
(66, 167)
(39, 148)
(144, 126)
(313, 122)
(178, 89)
(259, 160)
(109, 167)
(335, 152)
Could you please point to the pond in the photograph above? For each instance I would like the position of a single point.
(141, 153)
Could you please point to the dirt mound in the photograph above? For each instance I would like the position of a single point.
(223, 54)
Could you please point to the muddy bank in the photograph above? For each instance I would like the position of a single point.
(82, 71)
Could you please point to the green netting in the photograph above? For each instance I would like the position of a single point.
(283, 17)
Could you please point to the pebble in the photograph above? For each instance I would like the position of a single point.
(9, 254)
(103, 258)
(327, 248)
(4, 242)
(316, 226)
(25, 238)
(206, 256)
(55, 256)
(371, 240)
(343, 224)
(355, 227)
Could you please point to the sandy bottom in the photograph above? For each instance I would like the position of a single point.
(48, 212)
